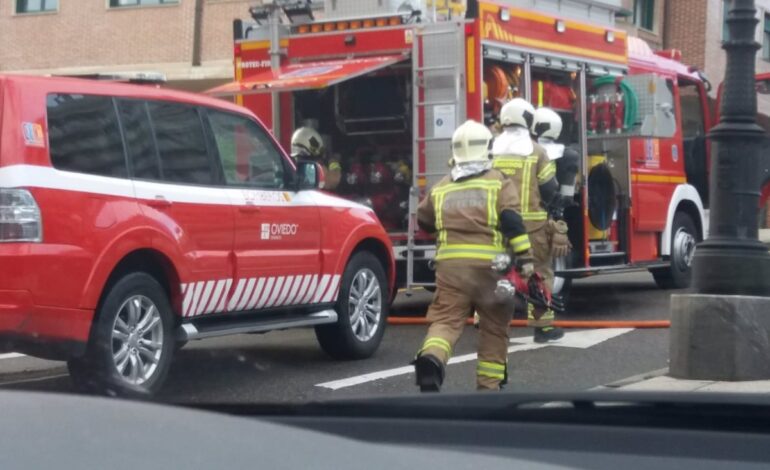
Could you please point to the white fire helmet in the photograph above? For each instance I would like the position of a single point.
(517, 112)
(547, 124)
(470, 143)
(306, 142)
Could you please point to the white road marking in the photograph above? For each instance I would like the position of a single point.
(385, 374)
(576, 339)
(580, 339)
(11, 356)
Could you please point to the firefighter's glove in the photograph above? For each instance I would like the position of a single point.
(525, 264)
(501, 263)
(560, 245)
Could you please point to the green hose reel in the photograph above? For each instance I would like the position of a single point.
(631, 100)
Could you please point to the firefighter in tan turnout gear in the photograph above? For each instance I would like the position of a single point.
(526, 163)
(472, 211)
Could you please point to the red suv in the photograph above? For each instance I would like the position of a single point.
(135, 219)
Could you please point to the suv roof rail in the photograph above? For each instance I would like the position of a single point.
(151, 78)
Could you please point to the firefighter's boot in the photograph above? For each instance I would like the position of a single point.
(548, 334)
(430, 373)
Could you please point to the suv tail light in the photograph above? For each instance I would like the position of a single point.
(20, 219)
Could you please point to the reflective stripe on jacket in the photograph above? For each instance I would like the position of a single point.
(527, 174)
(466, 216)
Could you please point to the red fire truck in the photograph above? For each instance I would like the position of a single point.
(386, 83)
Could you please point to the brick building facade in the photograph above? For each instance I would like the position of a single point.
(188, 40)
(696, 27)
(191, 40)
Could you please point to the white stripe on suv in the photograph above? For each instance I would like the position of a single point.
(206, 297)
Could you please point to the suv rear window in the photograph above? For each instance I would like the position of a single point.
(84, 135)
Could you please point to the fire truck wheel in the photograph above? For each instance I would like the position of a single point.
(131, 344)
(362, 307)
(684, 237)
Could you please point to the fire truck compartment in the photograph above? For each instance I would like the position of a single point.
(366, 126)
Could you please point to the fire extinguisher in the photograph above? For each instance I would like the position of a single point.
(620, 112)
(593, 114)
(605, 120)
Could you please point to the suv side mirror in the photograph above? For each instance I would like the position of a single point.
(310, 175)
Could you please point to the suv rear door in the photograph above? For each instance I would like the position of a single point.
(177, 185)
(277, 238)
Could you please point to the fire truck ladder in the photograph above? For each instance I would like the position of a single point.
(438, 55)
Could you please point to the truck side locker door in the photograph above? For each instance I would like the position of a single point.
(176, 184)
(277, 243)
(656, 169)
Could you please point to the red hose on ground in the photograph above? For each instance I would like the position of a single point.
(559, 323)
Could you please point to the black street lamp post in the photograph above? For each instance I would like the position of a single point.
(722, 331)
(732, 259)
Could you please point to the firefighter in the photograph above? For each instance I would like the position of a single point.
(472, 212)
(308, 144)
(547, 129)
(526, 163)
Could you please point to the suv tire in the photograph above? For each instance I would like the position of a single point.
(131, 344)
(363, 309)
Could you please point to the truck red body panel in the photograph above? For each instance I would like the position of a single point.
(544, 57)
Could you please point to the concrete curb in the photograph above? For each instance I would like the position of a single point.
(633, 379)
(658, 381)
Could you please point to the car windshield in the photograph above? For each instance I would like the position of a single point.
(216, 202)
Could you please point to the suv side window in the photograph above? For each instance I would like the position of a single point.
(139, 139)
(249, 158)
(181, 143)
(84, 135)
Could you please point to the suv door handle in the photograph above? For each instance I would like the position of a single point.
(159, 202)
(249, 208)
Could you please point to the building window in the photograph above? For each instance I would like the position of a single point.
(140, 3)
(766, 39)
(36, 6)
(725, 27)
(644, 14)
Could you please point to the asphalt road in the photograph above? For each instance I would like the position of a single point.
(289, 365)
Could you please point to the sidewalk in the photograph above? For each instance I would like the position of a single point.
(658, 381)
(17, 366)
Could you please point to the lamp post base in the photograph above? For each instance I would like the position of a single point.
(731, 267)
(720, 337)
